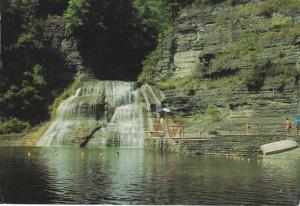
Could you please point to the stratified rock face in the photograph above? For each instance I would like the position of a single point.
(59, 40)
(210, 55)
(185, 62)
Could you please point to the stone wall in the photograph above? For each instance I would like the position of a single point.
(231, 145)
(12, 140)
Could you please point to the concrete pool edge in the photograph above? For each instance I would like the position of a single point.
(243, 145)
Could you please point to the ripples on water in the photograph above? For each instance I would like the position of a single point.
(73, 175)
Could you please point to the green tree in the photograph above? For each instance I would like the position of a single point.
(76, 13)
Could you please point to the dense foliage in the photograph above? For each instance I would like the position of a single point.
(11, 125)
(27, 80)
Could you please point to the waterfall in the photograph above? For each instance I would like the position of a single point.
(124, 106)
(131, 122)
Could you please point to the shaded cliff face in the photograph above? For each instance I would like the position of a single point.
(238, 61)
(65, 46)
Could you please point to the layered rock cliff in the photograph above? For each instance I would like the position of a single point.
(236, 61)
(60, 40)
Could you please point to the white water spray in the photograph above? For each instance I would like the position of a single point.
(128, 108)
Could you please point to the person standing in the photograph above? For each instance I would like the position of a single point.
(297, 123)
(288, 126)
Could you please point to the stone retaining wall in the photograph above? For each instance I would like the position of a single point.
(233, 145)
(12, 140)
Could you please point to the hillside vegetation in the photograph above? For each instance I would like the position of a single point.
(238, 58)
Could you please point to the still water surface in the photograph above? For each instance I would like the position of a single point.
(86, 176)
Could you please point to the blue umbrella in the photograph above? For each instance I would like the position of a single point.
(296, 121)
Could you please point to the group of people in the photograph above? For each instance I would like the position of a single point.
(289, 124)
(171, 127)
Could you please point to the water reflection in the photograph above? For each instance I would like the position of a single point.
(99, 176)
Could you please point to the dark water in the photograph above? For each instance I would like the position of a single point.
(65, 175)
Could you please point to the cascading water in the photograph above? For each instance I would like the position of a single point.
(131, 122)
(127, 107)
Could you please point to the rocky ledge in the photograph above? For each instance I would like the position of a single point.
(236, 61)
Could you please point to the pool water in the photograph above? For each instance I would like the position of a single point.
(135, 176)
